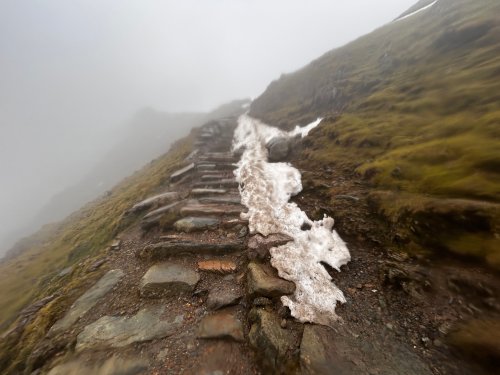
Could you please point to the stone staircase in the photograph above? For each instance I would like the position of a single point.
(191, 302)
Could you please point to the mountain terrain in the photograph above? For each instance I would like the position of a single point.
(169, 272)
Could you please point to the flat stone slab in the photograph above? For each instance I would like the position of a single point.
(213, 177)
(225, 294)
(192, 224)
(216, 166)
(210, 210)
(120, 331)
(178, 175)
(223, 324)
(222, 267)
(262, 282)
(157, 200)
(88, 300)
(224, 183)
(111, 366)
(168, 279)
(154, 217)
(166, 249)
(227, 199)
(205, 192)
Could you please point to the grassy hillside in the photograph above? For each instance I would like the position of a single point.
(86, 233)
(414, 107)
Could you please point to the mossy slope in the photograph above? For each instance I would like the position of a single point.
(414, 107)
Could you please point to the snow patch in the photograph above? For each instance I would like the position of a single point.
(417, 11)
(266, 189)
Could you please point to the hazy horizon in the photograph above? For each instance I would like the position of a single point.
(71, 73)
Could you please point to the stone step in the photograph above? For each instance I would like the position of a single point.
(218, 159)
(152, 219)
(210, 167)
(220, 325)
(225, 183)
(224, 199)
(193, 224)
(168, 279)
(205, 192)
(166, 249)
(214, 177)
(155, 200)
(120, 331)
(210, 210)
(223, 266)
(88, 300)
(178, 175)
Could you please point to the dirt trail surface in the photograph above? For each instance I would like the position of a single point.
(190, 291)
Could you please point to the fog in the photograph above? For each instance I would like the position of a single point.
(73, 72)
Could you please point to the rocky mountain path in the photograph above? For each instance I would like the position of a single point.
(189, 291)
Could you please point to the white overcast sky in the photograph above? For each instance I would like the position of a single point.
(72, 70)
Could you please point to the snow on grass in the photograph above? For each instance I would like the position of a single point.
(417, 11)
(266, 189)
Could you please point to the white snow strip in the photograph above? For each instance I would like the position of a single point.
(265, 190)
(416, 12)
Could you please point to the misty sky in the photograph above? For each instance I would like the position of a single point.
(71, 71)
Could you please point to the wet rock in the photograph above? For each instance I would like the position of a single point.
(318, 356)
(210, 210)
(261, 281)
(112, 366)
(262, 301)
(157, 200)
(205, 192)
(229, 183)
(192, 224)
(278, 148)
(118, 331)
(271, 341)
(165, 215)
(259, 245)
(168, 279)
(222, 324)
(174, 247)
(88, 300)
(115, 245)
(226, 294)
(181, 173)
(217, 266)
(227, 199)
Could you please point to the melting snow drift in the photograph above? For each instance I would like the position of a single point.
(266, 189)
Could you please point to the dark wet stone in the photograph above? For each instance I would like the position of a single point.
(262, 301)
(176, 247)
(271, 341)
(226, 294)
(317, 354)
(261, 281)
(192, 224)
(205, 192)
(88, 300)
(229, 199)
(168, 279)
(210, 210)
(178, 175)
(229, 183)
(222, 324)
(278, 148)
(157, 200)
(119, 331)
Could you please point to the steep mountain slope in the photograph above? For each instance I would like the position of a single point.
(414, 108)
